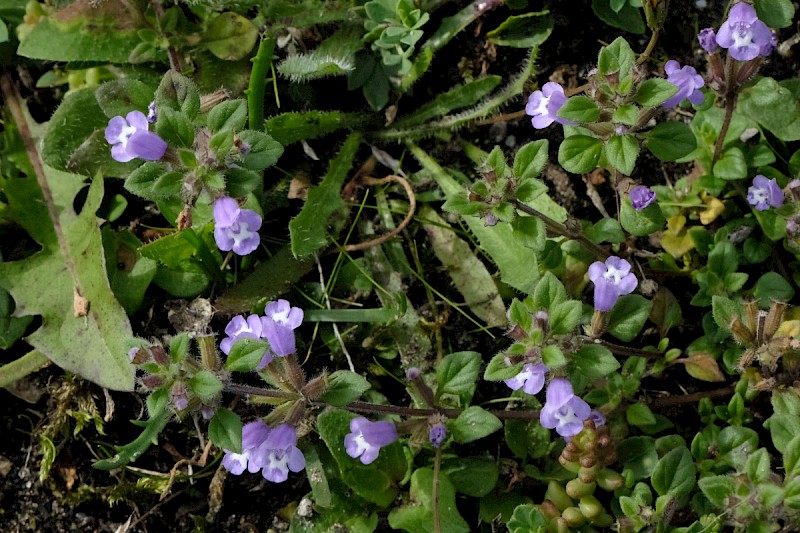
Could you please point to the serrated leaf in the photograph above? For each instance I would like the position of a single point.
(775, 13)
(655, 91)
(517, 264)
(472, 424)
(417, 515)
(468, 273)
(594, 361)
(621, 152)
(230, 36)
(458, 374)
(628, 316)
(530, 159)
(229, 115)
(498, 369)
(94, 346)
(308, 230)
(579, 109)
(456, 98)
(109, 35)
(523, 31)
(289, 128)
(549, 292)
(245, 354)
(225, 430)
(669, 141)
(674, 474)
(580, 154)
(344, 387)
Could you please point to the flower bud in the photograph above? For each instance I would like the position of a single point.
(178, 396)
(542, 321)
(159, 355)
(314, 389)
(138, 355)
(437, 434)
(151, 381)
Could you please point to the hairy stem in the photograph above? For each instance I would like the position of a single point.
(560, 229)
(372, 408)
(731, 94)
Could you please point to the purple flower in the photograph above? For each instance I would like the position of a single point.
(240, 328)
(437, 434)
(688, 82)
(178, 397)
(530, 379)
(152, 112)
(744, 35)
(253, 435)
(563, 410)
(764, 193)
(278, 454)
(708, 40)
(278, 326)
(366, 438)
(611, 280)
(598, 418)
(543, 106)
(235, 228)
(130, 139)
(641, 197)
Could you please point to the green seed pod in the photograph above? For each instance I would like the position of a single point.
(590, 507)
(573, 517)
(610, 480)
(587, 475)
(556, 494)
(578, 489)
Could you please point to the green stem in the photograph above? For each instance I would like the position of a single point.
(437, 464)
(262, 63)
(25, 365)
(652, 44)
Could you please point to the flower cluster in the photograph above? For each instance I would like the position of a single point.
(272, 451)
(543, 106)
(688, 82)
(764, 193)
(130, 139)
(366, 438)
(611, 280)
(742, 34)
(277, 327)
(235, 228)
